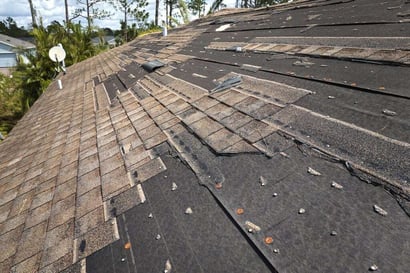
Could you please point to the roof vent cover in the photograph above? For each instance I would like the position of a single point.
(228, 83)
(152, 65)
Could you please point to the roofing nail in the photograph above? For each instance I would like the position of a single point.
(168, 266)
(262, 180)
(379, 210)
(301, 211)
(336, 185)
(313, 172)
(252, 227)
(283, 153)
(188, 211)
(388, 112)
(373, 267)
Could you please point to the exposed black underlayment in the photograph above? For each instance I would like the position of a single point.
(338, 232)
(204, 241)
(366, 75)
(113, 84)
(336, 223)
(131, 74)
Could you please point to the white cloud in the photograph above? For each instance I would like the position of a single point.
(53, 10)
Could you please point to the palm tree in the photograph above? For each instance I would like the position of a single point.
(33, 13)
(216, 5)
(66, 12)
(156, 11)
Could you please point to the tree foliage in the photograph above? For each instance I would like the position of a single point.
(197, 7)
(10, 103)
(136, 9)
(9, 27)
(216, 5)
(89, 10)
(261, 3)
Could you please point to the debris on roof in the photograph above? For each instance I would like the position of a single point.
(184, 154)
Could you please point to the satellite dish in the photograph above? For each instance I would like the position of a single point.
(56, 54)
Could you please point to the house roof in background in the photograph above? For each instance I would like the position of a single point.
(15, 42)
(107, 39)
(268, 140)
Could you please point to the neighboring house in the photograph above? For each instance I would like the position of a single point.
(9, 48)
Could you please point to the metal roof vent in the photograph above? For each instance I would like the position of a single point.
(228, 83)
(152, 65)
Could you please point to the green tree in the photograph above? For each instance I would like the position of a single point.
(260, 3)
(10, 27)
(135, 9)
(90, 11)
(183, 11)
(216, 5)
(10, 103)
(156, 11)
(197, 7)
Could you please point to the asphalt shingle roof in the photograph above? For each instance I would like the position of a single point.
(302, 166)
(15, 42)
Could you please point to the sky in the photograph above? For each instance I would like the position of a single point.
(53, 10)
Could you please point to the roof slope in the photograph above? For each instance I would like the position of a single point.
(272, 140)
(15, 42)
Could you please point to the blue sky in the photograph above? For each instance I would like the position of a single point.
(51, 10)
